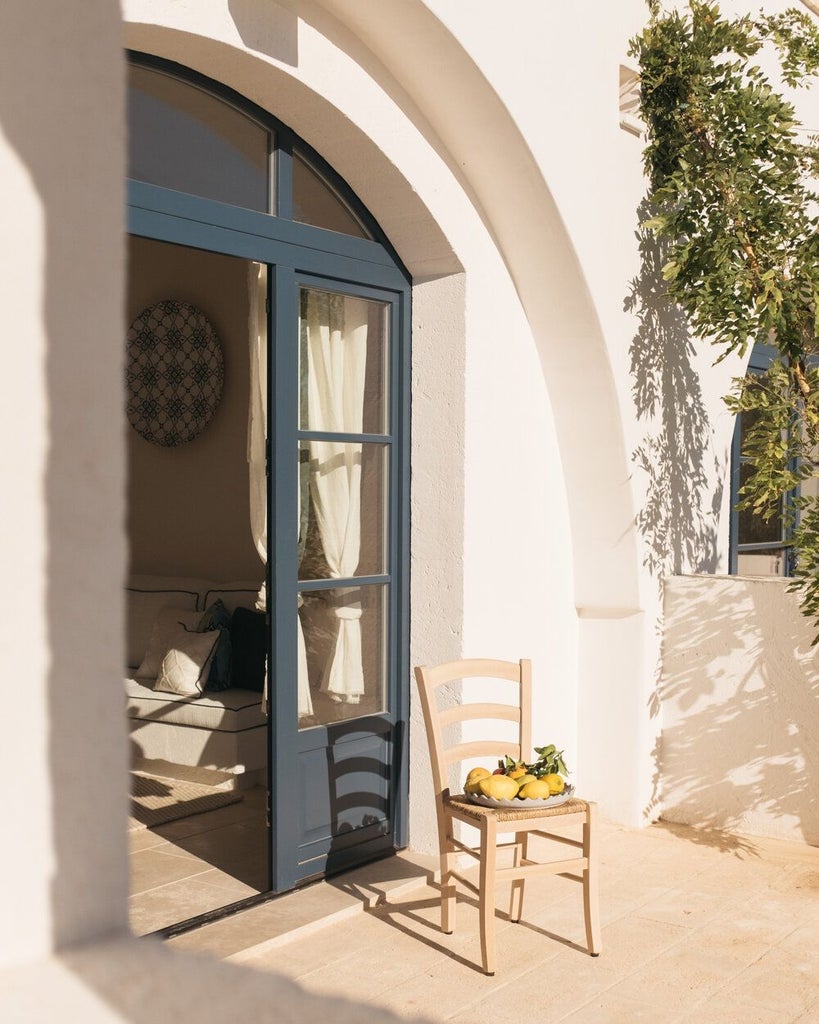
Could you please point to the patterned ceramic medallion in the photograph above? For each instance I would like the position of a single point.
(175, 373)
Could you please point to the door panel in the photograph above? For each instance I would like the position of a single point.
(339, 567)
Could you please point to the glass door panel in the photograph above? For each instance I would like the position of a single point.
(345, 639)
(344, 353)
(343, 509)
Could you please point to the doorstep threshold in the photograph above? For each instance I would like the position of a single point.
(249, 933)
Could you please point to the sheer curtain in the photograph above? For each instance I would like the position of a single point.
(336, 343)
(256, 455)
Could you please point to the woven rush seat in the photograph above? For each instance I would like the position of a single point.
(479, 811)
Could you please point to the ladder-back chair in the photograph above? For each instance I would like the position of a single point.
(491, 821)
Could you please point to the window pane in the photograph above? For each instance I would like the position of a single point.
(343, 351)
(182, 138)
(752, 529)
(315, 202)
(345, 646)
(343, 509)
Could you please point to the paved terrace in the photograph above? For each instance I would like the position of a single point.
(697, 926)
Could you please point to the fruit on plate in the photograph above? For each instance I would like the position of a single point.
(555, 783)
(499, 787)
(512, 778)
(537, 790)
(474, 777)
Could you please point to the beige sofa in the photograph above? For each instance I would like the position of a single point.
(223, 731)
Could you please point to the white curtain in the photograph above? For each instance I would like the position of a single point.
(256, 449)
(336, 341)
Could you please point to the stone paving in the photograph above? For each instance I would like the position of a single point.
(697, 926)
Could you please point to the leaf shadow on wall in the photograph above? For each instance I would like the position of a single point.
(679, 519)
(741, 693)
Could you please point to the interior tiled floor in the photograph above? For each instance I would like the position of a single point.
(696, 927)
(197, 864)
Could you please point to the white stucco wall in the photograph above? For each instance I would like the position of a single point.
(740, 705)
(494, 163)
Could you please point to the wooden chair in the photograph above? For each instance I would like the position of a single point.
(492, 821)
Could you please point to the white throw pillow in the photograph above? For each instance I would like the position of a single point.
(184, 669)
(168, 623)
(143, 606)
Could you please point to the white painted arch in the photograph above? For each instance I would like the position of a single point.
(370, 102)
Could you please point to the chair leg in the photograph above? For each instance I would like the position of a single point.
(448, 890)
(591, 908)
(521, 853)
(489, 840)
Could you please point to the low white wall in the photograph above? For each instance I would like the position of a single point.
(740, 708)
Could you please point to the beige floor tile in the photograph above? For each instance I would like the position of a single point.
(779, 981)
(143, 839)
(152, 868)
(810, 1016)
(758, 922)
(721, 1009)
(802, 940)
(176, 901)
(198, 823)
(544, 994)
(685, 908)
(613, 1009)
(631, 942)
(680, 977)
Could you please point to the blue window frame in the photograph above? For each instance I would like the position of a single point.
(757, 548)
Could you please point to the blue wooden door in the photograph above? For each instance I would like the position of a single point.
(338, 491)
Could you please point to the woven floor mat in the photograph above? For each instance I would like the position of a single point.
(155, 801)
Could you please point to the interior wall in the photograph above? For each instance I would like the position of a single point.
(189, 506)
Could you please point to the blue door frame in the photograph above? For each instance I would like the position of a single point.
(319, 777)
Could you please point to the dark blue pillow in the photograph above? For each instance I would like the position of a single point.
(248, 640)
(218, 617)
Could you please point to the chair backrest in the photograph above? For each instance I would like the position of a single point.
(518, 710)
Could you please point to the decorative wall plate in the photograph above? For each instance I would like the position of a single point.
(175, 373)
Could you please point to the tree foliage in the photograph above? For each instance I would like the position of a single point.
(732, 181)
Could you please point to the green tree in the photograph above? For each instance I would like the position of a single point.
(732, 193)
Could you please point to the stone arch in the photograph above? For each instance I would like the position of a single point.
(502, 182)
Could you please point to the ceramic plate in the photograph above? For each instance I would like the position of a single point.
(521, 805)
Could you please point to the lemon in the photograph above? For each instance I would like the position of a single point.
(523, 780)
(555, 783)
(537, 790)
(474, 777)
(499, 787)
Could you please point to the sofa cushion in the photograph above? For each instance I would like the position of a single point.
(248, 641)
(231, 711)
(167, 625)
(185, 667)
(239, 594)
(216, 616)
(143, 606)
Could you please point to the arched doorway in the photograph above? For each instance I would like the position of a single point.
(326, 327)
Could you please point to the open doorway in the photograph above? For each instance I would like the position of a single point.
(197, 636)
(269, 501)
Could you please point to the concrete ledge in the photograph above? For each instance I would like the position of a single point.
(252, 932)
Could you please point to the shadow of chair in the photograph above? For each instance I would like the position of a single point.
(494, 821)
